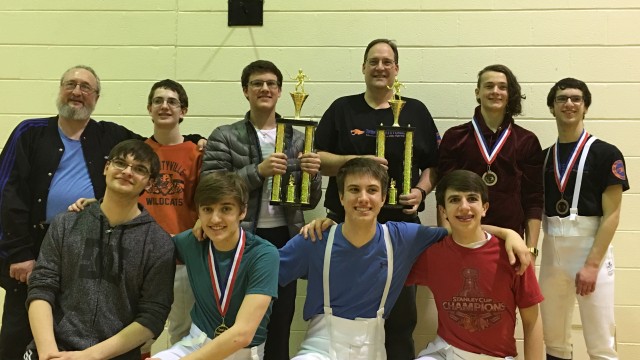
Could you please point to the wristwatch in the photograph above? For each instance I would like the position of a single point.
(534, 251)
(424, 193)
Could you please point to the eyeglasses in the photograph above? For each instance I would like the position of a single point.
(562, 99)
(84, 88)
(173, 102)
(258, 84)
(137, 169)
(386, 63)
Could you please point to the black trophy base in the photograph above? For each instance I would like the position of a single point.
(396, 206)
(291, 204)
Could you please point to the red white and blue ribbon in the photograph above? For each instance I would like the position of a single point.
(490, 155)
(562, 177)
(223, 298)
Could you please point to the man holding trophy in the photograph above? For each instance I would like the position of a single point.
(350, 128)
(249, 147)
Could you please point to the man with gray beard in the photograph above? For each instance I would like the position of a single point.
(46, 165)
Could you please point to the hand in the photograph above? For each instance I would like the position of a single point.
(22, 270)
(197, 230)
(379, 160)
(414, 198)
(315, 228)
(310, 163)
(201, 144)
(80, 204)
(275, 163)
(518, 248)
(586, 280)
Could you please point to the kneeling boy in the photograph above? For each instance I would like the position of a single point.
(234, 276)
(478, 299)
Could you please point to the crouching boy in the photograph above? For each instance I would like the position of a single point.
(234, 277)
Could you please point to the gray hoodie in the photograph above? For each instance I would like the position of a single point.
(100, 279)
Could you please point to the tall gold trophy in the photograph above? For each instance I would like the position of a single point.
(404, 183)
(293, 194)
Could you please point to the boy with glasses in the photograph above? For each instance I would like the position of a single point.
(170, 198)
(103, 283)
(584, 178)
(247, 147)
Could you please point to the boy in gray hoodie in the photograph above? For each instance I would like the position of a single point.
(103, 283)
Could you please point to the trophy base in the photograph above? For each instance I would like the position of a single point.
(396, 206)
(291, 204)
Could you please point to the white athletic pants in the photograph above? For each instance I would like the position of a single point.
(564, 251)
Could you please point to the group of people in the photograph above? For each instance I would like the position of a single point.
(100, 280)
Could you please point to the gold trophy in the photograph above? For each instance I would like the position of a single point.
(296, 194)
(397, 104)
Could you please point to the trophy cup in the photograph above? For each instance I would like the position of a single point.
(294, 194)
(397, 104)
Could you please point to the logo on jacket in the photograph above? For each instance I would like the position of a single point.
(357, 132)
(618, 170)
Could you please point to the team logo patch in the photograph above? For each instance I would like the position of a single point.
(357, 132)
(618, 170)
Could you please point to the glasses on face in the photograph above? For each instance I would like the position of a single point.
(258, 84)
(562, 99)
(386, 63)
(84, 87)
(137, 169)
(173, 102)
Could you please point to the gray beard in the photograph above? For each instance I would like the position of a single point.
(72, 113)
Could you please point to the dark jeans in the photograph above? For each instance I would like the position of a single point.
(279, 327)
(399, 326)
(15, 333)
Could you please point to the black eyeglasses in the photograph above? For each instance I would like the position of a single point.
(137, 169)
(561, 99)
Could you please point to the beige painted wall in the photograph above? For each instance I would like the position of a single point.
(443, 43)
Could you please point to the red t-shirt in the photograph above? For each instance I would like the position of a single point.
(476, 292)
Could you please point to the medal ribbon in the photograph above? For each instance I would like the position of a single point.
(224, 297)
(490, 156)
(563, 177)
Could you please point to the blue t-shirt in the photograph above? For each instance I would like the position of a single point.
(71, 180)
(358, 275)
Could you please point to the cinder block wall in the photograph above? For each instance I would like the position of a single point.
(442, 43)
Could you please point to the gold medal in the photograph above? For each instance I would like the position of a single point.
(490, 178)
(219, 330)
(562, 207)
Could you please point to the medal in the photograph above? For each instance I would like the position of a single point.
(223, 293)
(219, 330)
(490, 178)
(490, 155)
(562, 175)
(562, 207)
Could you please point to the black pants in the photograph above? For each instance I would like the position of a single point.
(15, 333)
(279, 328)
(399, 326)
